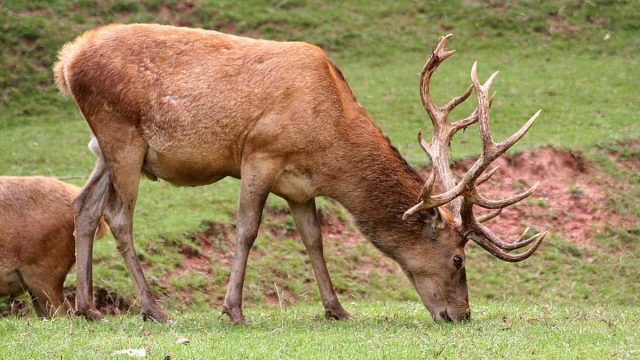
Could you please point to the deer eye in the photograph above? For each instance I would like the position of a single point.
(457, 261)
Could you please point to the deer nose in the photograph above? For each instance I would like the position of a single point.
(466, 316)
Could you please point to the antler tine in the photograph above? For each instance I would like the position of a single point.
(486, 176)
(518, 243)
(489, 216)
(439, 54)
(459, 99)
(502, 254)
(480, 200)
(425, 147)
(490, 149)
(471, 119)
(505, 145)
(472, 228)
(428, 185)
(483, 109)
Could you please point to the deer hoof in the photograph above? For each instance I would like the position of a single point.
(337, 314)
(90, 314)
(155, 315)
(235, 315)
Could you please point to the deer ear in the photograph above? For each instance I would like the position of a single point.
(434, 219)
(437, 218)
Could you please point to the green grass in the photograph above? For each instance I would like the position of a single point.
(381, 330)
(576, 60)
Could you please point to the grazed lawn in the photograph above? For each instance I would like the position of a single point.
(394, 330)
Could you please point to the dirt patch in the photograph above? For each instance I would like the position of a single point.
(559, 25)
(570, 202)
(626, 156)
(107, 302)
(35, 12)
(279, 297)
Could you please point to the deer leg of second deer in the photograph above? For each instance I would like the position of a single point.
(45, 289)
(37, 306)
(48, 300)
(88, 207)
(254, 190)
(306, 219)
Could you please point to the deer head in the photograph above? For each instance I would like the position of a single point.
(437, 269)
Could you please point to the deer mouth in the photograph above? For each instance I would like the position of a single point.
(444, 316)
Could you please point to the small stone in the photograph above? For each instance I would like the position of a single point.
(140, 353)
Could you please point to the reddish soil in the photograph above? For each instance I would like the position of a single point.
(628, 163)
(571, 200)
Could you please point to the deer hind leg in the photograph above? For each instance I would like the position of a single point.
(112, 191)
(124, 156)
(306, 219)
(119, 215)
(256, 183)
(88, 207)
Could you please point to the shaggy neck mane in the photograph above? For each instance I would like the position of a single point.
(371, 179)
(377, 185)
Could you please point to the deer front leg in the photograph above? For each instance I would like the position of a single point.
(254, 189)
(306, 219)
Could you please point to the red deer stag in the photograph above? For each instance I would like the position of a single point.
(36, 238)
(193, 106)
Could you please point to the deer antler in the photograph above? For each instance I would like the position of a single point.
(462, 195)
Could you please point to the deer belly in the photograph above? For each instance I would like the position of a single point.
(186, 169)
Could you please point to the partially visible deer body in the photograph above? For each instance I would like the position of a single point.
(36, 239)
(193, 106)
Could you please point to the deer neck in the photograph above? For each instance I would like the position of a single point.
(376, 185)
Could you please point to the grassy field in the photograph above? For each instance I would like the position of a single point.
(576, 60)
(380, 330)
